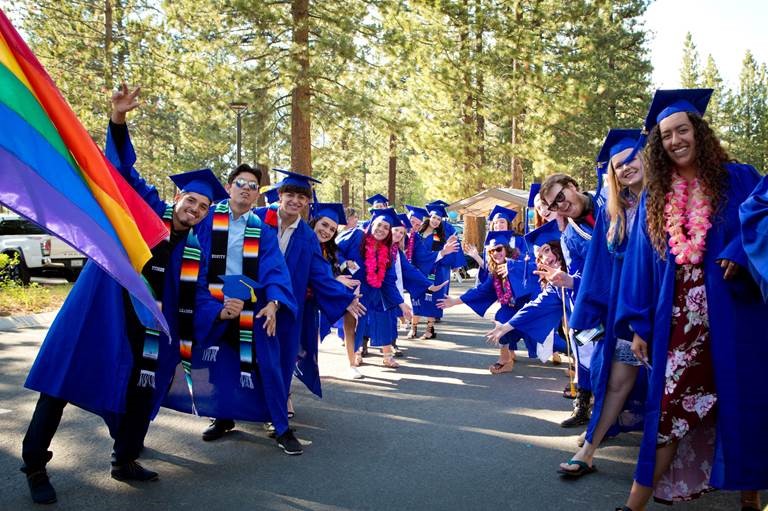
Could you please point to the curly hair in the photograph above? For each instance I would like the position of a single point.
(710, 158)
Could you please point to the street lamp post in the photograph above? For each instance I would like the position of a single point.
(239, 107)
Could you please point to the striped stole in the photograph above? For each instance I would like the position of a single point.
(217, 266)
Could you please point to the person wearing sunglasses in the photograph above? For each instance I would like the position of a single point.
(560, 194)
(504, 284)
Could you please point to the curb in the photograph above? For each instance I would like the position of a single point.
(42, 320)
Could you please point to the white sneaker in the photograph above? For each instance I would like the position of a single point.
(354, 374)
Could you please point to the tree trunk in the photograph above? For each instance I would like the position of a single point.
(392, 181)
(345, 193)
(474, 231)
(264, 181)
(301, 141)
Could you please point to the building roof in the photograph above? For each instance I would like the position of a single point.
(482, 203)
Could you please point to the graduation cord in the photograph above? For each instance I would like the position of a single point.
(581, 232)
(572, 386)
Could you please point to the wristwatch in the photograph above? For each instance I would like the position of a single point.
(277, 304)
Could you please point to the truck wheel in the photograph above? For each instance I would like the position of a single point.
(18, 272)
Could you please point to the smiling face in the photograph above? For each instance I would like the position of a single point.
(398, 233)
(190, 209)
(435, 221)
(325, 229)
(293, 203)
(629, 174)
(542, 210)
(497, 253)
(499, 224)
(546, 256)
(380, 229)
(243, 191)
(416, 223)
(678, 140)
(566, 200)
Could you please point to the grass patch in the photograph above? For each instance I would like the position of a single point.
(17, 300)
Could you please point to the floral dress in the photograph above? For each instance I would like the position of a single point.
(688, 403)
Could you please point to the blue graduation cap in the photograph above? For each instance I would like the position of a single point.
(417, 211)
(271, 195)
(496, 238)
(502, 212)
(332, 210)
(671, 101)
(296, 179)
(389, 215)
(404, 219)
(376, 199)
(240, 287)
(616, 141)
(439, 202)
(202, 181)
(437, 209)
(544, 234)
(535, 187)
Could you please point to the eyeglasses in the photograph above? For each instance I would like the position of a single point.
(560, 197)
(496, 249)
(242, 183)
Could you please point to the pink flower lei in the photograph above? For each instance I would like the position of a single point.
(409, 246)
(503, 290)
(376, 258)
(686, 219)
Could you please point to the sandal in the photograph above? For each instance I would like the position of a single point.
(414, 332)
(430, 333)
(500, 367)
(389, 361)
(583, 469)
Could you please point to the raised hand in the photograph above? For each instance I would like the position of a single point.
(451, 246)
(555, 276)
(123, 101)
(435, 288)
(348, 281)
(270, 313)
(447, 302)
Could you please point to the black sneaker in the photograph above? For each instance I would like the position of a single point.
(288, 442)
(132, 471)
(40, 487)
(397, 352)
(217, 429)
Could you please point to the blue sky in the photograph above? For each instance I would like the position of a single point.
(724, 28)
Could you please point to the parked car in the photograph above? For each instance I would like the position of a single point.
(34, 252)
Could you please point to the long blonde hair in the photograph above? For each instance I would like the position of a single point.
(616, 206)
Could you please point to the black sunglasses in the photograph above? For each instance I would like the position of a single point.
(560, 197)
(497, 249)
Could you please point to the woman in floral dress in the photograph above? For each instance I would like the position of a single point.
(692, 306)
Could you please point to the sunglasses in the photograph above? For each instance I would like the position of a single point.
(242, 183)
(560, 197)
(497, 249)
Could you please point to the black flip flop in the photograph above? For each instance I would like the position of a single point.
(583, 469)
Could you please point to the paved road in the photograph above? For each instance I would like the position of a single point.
(439, 433)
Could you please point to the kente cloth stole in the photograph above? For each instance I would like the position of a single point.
(218, 266)
(154, 275)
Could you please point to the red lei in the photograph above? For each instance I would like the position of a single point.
(376, 259)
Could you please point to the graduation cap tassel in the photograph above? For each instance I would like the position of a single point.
(572, 386)
(638, 147)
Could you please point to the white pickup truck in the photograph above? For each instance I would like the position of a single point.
(36, 252)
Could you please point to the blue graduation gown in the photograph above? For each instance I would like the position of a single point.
(425, 259)
(575, 249)
(540, 316)
(481, 297)
(376, 323)
(754, 233)
(307, 267)
(646, 297)
(216, 383)
(596, 305)
(86, 357)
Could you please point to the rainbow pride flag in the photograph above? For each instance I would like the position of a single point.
(54, 174)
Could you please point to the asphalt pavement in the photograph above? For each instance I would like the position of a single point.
(438, 433)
